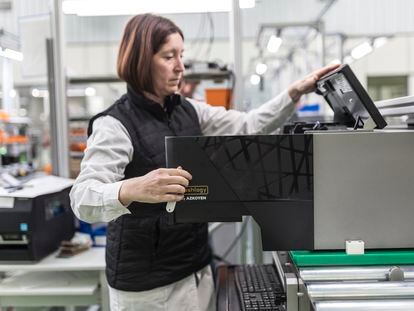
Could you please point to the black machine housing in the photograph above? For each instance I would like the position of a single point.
(270, 177)
(34, 227)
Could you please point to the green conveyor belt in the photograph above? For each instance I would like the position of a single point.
(340, 258)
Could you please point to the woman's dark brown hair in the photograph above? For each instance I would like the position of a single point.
(143, 37)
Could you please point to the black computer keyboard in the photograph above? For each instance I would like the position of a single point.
(259, 288)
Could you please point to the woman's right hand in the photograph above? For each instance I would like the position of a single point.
(308, 83)
(161, 185)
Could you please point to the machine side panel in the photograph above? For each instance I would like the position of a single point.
(363, 189)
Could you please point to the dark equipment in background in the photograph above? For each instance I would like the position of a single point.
(34, 227)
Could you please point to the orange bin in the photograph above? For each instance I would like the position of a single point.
(218, 97)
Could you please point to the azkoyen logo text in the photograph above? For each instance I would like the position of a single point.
(196, 193)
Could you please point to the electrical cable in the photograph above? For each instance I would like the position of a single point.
(198, 46)
(232, 80)
(199, 43)
(221, 259)
(211, 39)
(193, 45)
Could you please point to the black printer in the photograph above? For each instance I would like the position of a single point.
(32, 228)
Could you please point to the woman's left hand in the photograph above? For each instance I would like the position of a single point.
(308, 83)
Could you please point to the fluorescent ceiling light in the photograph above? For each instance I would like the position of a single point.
(40, 93)
(361, 50)
(129, 7)
(12, 93)
(35, 92)
(11, 54)
(247, 4)
(81, 92)
(380, 41)
(348, 59)
(274, 44)
(255, 79)
(334, 61)
(90, 91)
(261, 68)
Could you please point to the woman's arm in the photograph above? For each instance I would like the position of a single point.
(262, 120)
(99, 193)
(94, 196)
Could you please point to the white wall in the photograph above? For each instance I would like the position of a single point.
(394, 58)
(91, 59)
(100, 58)
(93, 42)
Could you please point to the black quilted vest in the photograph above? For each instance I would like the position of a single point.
(144, 250)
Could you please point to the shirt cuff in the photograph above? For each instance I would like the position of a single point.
(286, 99)
(111, 197)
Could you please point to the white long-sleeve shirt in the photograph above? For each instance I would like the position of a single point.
(94, 196)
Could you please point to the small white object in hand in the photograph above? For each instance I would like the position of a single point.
(171, 206)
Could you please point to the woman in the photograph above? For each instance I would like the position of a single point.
(150, 264)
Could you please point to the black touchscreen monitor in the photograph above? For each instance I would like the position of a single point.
(348, 99)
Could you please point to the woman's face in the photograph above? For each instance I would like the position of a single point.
(167, 66)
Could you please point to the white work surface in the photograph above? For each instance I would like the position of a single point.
(39, 185)
(75, 281)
